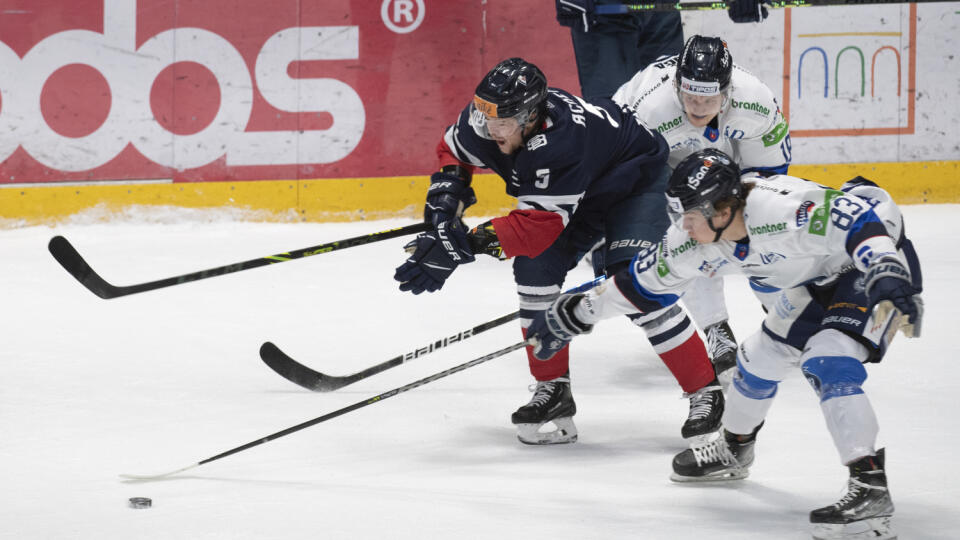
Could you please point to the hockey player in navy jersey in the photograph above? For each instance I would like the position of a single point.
(837, 276)
(580, 171)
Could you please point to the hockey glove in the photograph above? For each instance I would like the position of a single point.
(742, 11)
(483, 239)
(888, 279)
(554, 328)
(436, 254)
(575, 13)
(447, 197)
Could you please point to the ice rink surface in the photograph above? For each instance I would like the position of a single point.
(153, 382)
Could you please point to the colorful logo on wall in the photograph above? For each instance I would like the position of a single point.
(850, 76)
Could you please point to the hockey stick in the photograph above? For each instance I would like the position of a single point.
(620, 9)
(338, 412)
(72, 262)
(313, 380)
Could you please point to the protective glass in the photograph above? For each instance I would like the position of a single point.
(676, 212)
(490, 127)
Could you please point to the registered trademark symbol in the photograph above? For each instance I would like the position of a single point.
(402, 16)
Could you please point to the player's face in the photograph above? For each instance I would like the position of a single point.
(695, 224)
(701, 109)
(506, 132)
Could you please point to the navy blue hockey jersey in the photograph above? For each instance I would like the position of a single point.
(586, 157)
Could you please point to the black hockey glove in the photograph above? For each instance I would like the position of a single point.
(575, 13)
(436, 254)
(888, 279)
(447, 197)
(483, 239)
(555, 327)
(742, 11)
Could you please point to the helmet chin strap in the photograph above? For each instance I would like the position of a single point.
(718, 232)
(538, 126)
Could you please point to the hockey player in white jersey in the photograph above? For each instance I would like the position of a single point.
(702, 99)
(829, 266)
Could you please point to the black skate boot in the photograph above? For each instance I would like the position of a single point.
(727, 457)
(864, 511)
(553, 402)
(722, 347)
(706, 409)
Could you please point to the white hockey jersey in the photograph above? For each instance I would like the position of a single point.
(750, 126)
(798, 233)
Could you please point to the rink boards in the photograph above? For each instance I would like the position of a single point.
(332, 111)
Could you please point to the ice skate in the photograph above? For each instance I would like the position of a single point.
(727, 457)
(706, 409)
(722, 347)
(552, 403)
(864, 511)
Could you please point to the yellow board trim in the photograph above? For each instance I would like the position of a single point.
(915, 182)
(353, 199)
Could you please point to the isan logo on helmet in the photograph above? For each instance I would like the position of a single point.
(694, 180)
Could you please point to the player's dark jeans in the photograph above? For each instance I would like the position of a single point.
(608, 56)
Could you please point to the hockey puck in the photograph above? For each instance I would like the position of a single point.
(140, 502)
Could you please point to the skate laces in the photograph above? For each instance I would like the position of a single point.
(852, 491)
(715, 451)
(701, 402)
(719, 341)
(543, 390)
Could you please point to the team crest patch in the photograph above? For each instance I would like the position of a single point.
(537, 142)
(712, 134)
(741, 251)
(803, 212)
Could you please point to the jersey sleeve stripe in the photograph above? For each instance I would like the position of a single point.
(450, 137)
(644, 300)
(563, 205)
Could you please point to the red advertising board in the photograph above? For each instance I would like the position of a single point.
(209, 90)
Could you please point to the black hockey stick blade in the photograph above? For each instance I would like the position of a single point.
(358, 405)
(316, 381)
(70, 259)
(313, 380)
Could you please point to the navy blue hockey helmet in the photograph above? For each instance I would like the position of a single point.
(513, 87)
(704, 66)
(700, 181)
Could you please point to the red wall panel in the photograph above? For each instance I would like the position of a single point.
(206, 90)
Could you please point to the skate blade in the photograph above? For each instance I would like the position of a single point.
(720, 476)
(878, 528)
(564, 432)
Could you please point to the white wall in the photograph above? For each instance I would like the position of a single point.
(847, 125)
